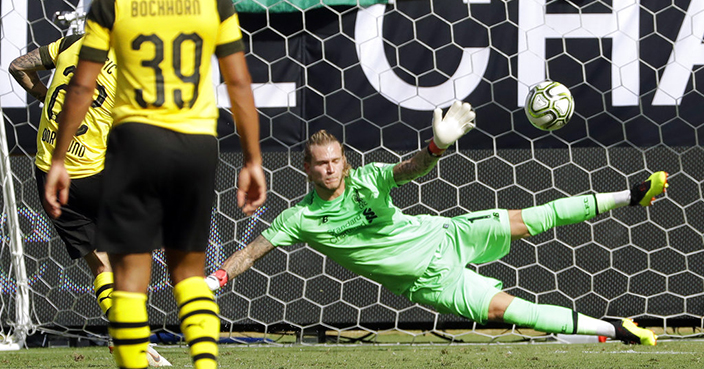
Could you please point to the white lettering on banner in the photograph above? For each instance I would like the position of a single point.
(534, 28)
(622, 26)
(687, 53)
(266, 95)
(14, 23)
(369, 42)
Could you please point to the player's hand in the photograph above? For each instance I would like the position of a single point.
(457, 122)
(251, 188)
(56, 189)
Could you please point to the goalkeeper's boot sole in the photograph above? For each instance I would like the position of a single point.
(628, 332)
(644, 193)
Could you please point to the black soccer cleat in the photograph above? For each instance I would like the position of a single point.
(628, 332)
(644, 193)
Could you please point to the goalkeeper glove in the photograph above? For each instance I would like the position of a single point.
(216, 280)
(457, 122)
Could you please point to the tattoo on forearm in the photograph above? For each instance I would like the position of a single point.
(29, 61)
(417, 166)
(243, 259)
(235, 264)
(24, 70)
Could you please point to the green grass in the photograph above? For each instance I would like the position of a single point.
(670, 354)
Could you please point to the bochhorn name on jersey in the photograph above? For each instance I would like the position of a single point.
(159, 8)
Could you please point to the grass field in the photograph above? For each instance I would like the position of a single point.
(667, 354)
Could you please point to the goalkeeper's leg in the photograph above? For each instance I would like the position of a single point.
(557, 319)
(198, 310)
(535, 220)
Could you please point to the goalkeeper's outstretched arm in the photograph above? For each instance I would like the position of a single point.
(417, 166)
(239, 262)
(457, 122)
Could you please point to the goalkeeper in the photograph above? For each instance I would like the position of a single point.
(85, 160)
(350, 218)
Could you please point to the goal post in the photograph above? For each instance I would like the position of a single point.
(18, 329)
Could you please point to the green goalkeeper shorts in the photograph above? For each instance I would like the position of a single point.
(448, 284)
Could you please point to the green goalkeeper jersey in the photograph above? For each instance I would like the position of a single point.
(363, 231)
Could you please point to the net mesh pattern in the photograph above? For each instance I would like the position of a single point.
(310, 72)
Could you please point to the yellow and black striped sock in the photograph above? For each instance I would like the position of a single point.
(200, 323)
(103, 288)
(129, 329)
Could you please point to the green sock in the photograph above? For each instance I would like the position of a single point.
(568, 210)
(554, 319)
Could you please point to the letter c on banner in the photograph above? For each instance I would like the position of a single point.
(368, 36)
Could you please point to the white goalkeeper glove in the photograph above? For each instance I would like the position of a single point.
(216, 280)
(457, 122)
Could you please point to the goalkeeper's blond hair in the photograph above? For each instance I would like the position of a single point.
(323, 138)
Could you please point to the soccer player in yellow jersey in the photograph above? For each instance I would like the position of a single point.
(86, 155)
(161, 157)
(85, 158)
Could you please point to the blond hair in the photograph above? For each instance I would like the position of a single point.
(323, 138)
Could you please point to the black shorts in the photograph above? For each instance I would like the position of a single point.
(77, 224)
(158, 190)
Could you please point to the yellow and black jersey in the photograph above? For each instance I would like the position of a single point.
(164, 50)
(86, 153)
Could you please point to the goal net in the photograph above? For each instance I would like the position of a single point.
(371, 73)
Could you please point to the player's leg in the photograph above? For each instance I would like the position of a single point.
(99, 265)
(558, 319)
(535, 220)
(187, 210)
(129, 326)
(77, 226)
(480, 298)
(198, 310)
(129, 230)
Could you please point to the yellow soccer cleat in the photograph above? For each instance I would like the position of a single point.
(644, 193)
(628, 332)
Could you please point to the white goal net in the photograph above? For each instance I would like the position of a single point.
(372, 74)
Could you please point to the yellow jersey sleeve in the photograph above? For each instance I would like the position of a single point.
(99, 22)
(229, 34)
(49, 53)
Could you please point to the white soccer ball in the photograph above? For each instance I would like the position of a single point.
(549, 105)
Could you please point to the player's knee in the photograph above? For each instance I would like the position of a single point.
(496, 314)
(498, 305)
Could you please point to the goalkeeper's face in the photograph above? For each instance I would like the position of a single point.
(327, 167)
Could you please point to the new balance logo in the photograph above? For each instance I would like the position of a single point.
(369, 214)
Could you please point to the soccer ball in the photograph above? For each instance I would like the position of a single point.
(549, 105)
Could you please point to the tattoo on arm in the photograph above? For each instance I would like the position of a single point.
(32, 61)
(24, 70)
(243, 259)
(417, 166)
